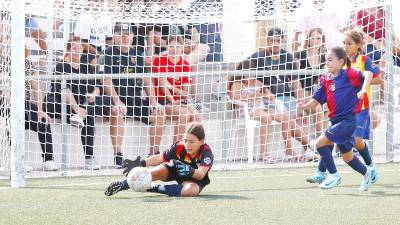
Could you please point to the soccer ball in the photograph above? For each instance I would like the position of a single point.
(139, 179)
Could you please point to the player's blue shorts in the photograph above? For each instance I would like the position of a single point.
(341, 132)
(363, 124)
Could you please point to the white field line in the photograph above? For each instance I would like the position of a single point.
(214, 178)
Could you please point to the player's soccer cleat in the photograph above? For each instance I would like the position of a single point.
(374, 174)
(331, 181)
(114, 188)
(317, 178)
(366, 180)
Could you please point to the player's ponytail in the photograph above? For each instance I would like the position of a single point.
(340, 53)
(197, 130)
(357, 37)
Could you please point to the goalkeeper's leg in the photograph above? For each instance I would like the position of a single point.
(186, 189)
(167, 172)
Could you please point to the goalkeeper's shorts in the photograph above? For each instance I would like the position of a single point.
(173, 176)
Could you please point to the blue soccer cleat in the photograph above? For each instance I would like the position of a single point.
(374, 175)
(317, 178)
(331, 181)
(367, 180)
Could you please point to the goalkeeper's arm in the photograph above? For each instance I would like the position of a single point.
(128, 164)
(154, 160)
(200, 173)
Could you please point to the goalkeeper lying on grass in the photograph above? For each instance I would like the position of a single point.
(187, 162)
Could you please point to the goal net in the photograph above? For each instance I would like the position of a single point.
(5, 66)
(107, 80)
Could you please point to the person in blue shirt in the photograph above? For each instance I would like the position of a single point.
(32, 27)
(210, 33)
(342, 90)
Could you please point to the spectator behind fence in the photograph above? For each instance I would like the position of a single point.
(210, 33)
(371, 21)
(194, 50)
(274, 58)
(35, 118)
(255, 94)
(32, 27)
(173, 92)
(123, 58)
(159, 33)
(83, 97)
(158, 36)
(313, 57)
(95, 33)
(320, 14)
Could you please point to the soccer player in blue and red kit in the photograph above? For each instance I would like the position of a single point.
(353, 42)
(342, 90)
(187, 162)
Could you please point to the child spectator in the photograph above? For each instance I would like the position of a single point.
(173, 92)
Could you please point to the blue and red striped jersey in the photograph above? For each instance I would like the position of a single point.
(364, 63)
(340, 92)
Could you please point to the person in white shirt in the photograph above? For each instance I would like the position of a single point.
(94, 28)
(318, 13)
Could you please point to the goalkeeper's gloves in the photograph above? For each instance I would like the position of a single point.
(128, 164)
(184, 170)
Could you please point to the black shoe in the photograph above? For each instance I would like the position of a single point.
(113, 188)
(154, 188)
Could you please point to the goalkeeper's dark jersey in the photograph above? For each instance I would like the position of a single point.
(204, 158)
